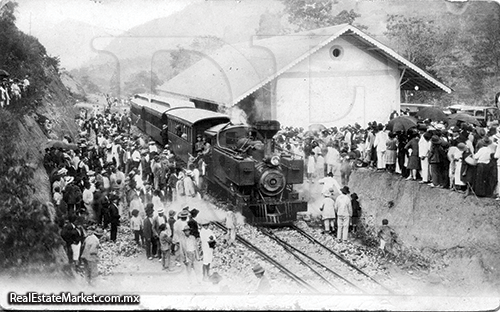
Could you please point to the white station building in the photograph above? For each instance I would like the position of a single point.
(332, 76)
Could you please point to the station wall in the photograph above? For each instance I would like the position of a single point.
(357, 85)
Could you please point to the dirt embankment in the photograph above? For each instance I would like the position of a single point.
(462, 233)
(31, 140)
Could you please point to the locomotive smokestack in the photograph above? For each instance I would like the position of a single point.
(267, 128)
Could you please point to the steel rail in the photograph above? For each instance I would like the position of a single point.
(312, 239)
(290, 249)
(279, 240)
(287, 272)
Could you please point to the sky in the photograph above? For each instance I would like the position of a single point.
(116, 16)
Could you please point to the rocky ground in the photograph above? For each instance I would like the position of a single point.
(415, 278)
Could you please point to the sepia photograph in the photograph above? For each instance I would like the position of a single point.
(334, 155)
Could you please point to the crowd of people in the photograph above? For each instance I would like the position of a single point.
(109, 175)
(11, 90)
(462, 157)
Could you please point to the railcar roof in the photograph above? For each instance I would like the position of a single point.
(193, 115)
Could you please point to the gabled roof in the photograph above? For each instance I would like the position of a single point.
(235, 71)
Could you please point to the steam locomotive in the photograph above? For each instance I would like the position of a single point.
(242, 164)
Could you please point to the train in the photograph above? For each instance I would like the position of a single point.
(243, 165)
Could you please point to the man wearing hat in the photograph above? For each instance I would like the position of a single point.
(264, 285)
(157, 222)
(149, 234)
(328, 211)
(188, 249)
(89, 254)
(179, 226)
(146, 167)
(114, 215)
(72, 195)
(164, 134)
(343, 208)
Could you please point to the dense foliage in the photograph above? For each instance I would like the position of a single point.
(22, 55)
(27, 236)
(461, 49)
(142, 82)
(311, 14)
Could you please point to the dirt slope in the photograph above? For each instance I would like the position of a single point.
(463, 234)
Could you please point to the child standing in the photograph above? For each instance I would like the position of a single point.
(136, 227)
(165, 245)
(386, 236)
(356, 212)
(207, 247)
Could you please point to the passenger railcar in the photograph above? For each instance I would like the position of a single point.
(242, 164)
(147, 113)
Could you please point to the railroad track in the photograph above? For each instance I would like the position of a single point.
(347, 274)
(317, 274)
(322, 270)
(301, 282)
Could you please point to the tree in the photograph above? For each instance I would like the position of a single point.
(270, 25)
(7, 12)
(414, 37)
(420, 41)
(142, 82)
(311, 14)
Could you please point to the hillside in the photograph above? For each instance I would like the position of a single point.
(24, 185)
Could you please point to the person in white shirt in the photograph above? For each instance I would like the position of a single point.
(207, 238)
(343, 208)
(311, 167)
(332, 159)
(328, 212)
(381, 146)
(328, 183)
(88, 200)
(424, 145)
(484, 182)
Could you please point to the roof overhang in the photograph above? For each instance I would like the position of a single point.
(414, 77)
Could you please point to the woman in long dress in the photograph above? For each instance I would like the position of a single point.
(485, 170)
(468, 172)
(413, 159)
(459, 185)
(390, 153)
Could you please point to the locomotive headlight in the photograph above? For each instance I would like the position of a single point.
(275, 161)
